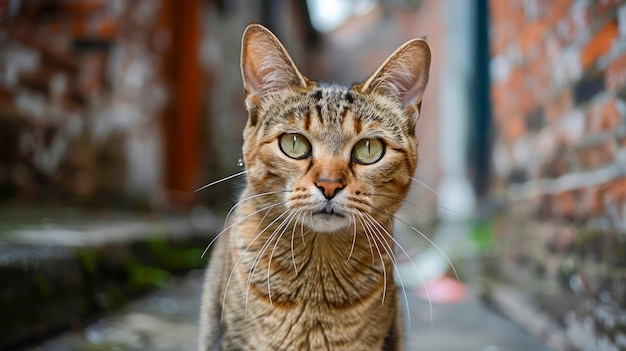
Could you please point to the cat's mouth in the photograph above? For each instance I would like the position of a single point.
(329, 209)
(327, 220)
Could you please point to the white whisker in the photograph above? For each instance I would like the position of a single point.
(366, 236)
(259, 255)
(439, 196)
(293, 233)
(433, 244)
(423, 236)
(245, 250)
(395, 263)
(284, 226)
(368, 229)
(353, 222)
(401, 198)
(249, 198)
(221, 180)
(302, 227)
(236, 222)
(425, 186)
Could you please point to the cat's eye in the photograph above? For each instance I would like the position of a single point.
(368, 151)
(295, 146)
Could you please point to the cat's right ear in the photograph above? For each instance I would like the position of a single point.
(403, 76)
(265, 65)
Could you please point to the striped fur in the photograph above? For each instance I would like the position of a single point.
(286, 275)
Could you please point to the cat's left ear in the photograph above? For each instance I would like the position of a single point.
(404, 75)
(265, 65)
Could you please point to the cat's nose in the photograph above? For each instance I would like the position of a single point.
(329, 187)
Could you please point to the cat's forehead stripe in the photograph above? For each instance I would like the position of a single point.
(344, 116)
(307, 121)
(326, 106)
(320, 114)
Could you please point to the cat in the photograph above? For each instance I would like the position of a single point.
(306, 259)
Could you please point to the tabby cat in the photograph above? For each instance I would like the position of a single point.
(306, 260)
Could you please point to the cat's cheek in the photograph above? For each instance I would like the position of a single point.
(263, 177)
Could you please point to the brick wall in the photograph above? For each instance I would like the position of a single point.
(558, 88)
(80, 99)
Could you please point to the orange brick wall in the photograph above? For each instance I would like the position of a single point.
(558, 87)
(80, 103)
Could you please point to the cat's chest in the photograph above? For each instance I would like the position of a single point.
(306, 327)
(328, 275)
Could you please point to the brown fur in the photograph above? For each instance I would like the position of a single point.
(284, 276)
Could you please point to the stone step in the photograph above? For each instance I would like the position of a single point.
(60, 270)
(163, 320)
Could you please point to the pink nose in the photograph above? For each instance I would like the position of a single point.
(329, 187)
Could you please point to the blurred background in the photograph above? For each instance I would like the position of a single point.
(113, 112)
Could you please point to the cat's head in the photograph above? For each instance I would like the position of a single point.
(334, 154)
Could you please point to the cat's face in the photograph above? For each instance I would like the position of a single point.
(331, 154)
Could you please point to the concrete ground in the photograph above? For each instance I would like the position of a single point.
(166, 320)
(467, 325)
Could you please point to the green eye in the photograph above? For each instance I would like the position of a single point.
(368, 151)
(295, 146)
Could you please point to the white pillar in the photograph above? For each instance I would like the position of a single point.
(456, 195)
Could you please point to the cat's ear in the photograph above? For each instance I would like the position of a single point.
(266, 65)
(403, 75)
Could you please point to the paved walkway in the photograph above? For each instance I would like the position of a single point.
(167, 320)
(467, 325)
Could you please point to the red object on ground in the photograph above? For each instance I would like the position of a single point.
(443, 290)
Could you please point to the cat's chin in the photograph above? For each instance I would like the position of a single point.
(326, 223)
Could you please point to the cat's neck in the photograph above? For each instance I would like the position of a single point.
(298, 265)
(276, 231)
